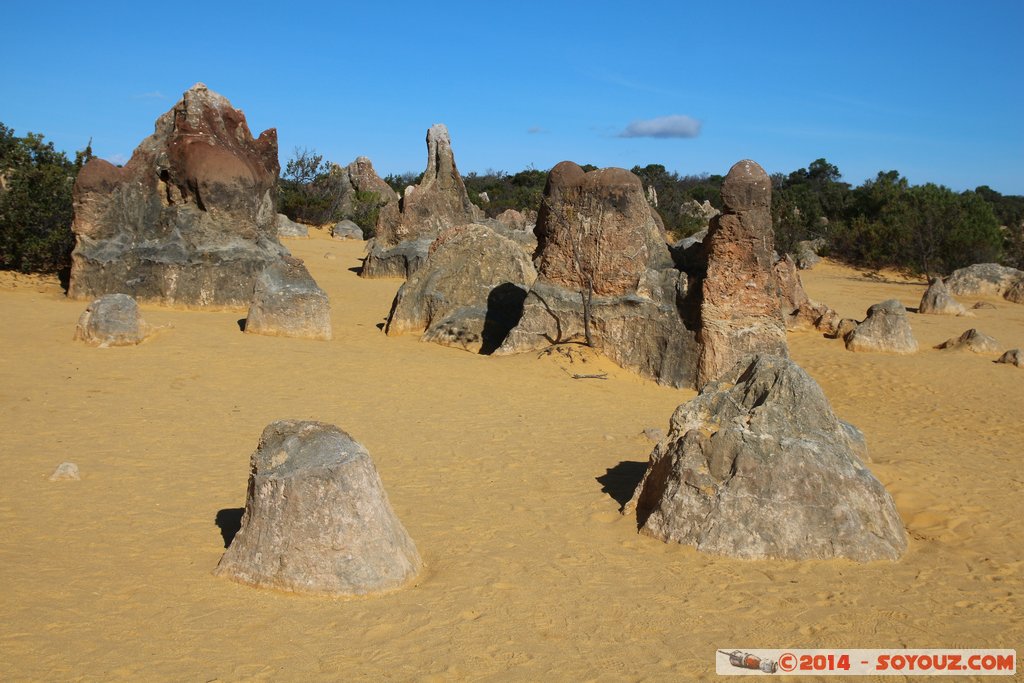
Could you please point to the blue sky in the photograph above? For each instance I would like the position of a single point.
(933, 89)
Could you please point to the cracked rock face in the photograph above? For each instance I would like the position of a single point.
(758, 466)
(189, 220)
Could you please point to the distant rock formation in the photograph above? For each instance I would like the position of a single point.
(798, 310)
(317, 519)
(189, 220)
(112, 320)
(356, 181)
(287, 302)
(513, 219)
(698, 213)
(988, 279)
(468, 293)
(938, 301)
(406, 227)
(758, 466)
(603, 264)
(886, 329)
(806, 253)
(740, 311)
(971, 340)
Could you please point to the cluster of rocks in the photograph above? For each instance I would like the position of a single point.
(406, 228)
(189, 220)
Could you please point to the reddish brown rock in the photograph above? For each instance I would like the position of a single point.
(740, 312)
(602, 258)
(190, 219)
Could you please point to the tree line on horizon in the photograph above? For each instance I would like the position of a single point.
(883, 222)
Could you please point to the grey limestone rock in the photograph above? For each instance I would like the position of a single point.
(287, 302)
(317, 519)
(346, 230)
(886, 329)
(400, 260)
(189, 220)
(971, 340)
(983, 279)
(286, 227)
(468, 293)
(938, 301)
(758, 466)
(112, 320)
(1015, 292)
(806, 253)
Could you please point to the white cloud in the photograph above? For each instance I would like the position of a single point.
(533, 130)
(155, 95)
(674, 126)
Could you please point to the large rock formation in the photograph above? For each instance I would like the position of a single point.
(112, 320)
(985, 279)
(190, 218)
(469, 293)
(603, 264)
(740, 311)
(886, 329)
(317, 519)
(758, 466)
(406, 228)
(287, 302)
(938, 301)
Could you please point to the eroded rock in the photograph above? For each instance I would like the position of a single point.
(112, 320)
(1013, 357)
(189, 220)
(938, 301)
(740, 312)
(286, 227)
(758, 466)
(469, 293)
(287, 302)
(971, 340)
(317, 519)
(886, 329)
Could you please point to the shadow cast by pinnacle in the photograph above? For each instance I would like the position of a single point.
(620, 482)
(230, 521)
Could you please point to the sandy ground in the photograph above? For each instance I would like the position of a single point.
(508, 475)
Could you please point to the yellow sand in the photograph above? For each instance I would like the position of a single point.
(498, 468)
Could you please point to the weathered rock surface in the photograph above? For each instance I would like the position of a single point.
(112, 320)
(513, 219)
(844, 327)
(439, 201)
(597, 228)
(799, 311)
(886, 329)
(758, 466)
(740, 312)
(287, 302)
(66, 471)
(971, 340)
(317, 519)
(469, 293)
(189, 220)
(401, 260)
(598, 242)
(1013, 357)
(346, 230)
(286, 227)
(983, 279)
(1015, 292)
(938, 301)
